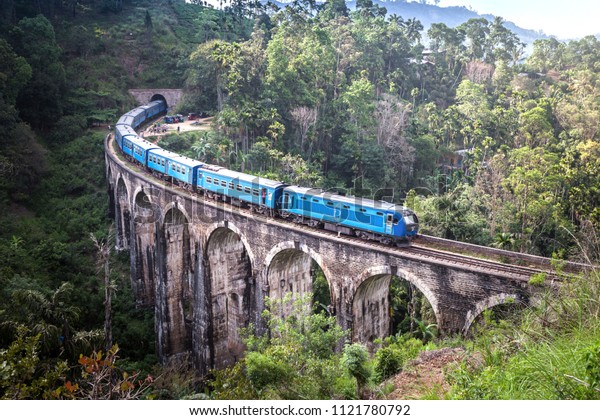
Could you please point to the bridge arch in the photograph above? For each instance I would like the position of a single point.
(145, 206)
(146, 213)
(298, 246)
(232, 291)
(123, 214)
(487, 303)
(174, 294)
(111, 191)
(289, 268)
(371, 305)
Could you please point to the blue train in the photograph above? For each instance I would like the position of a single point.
(368, 219)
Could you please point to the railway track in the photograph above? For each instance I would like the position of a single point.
(423, 249)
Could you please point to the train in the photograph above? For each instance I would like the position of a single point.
(374, 220)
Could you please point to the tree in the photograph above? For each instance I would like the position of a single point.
(476, 31)
(24, 375)
(547, 54)
(392, 116)
(305, 118)
(36, 42)
(295, 360)
(354, 360)
(15, 72)
(51, 316)
(103, 260)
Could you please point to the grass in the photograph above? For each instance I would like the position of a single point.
(553, 352)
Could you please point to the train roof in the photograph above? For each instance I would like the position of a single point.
(126, 119)
(125, 129)
(151, 104)
(351, 200)
(175, 157)
(251, 179)
(137, 111)
(143, 143)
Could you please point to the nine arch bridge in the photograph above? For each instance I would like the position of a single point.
(206, 268)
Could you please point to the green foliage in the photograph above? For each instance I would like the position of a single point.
(267, 370)
(388, 361)
(354, 360)
(537, 279)
(542, 371)
(24, 375)
(296, 360)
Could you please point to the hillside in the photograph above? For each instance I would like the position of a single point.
(451, 16)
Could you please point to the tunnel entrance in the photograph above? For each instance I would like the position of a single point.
(158, 97)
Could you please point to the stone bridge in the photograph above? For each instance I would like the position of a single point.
(206, 268)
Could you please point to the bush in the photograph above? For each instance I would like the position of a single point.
(388, 361)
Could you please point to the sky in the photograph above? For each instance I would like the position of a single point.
(564, 19)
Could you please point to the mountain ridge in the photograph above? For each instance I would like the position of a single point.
(452, 16)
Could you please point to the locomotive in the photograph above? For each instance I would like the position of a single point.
(376, 220)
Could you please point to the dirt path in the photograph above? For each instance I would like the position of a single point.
(201, 124)
(425, 376)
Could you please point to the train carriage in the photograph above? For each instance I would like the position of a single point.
(138, 115)
(261, 193)
(154, 108)
(123, 130)
(178, 167)
(141, 147)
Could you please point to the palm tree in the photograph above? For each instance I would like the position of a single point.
(412, 29)
(201, 148)
(50, 316)
(504, 240)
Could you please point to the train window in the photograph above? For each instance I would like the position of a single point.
(172, 166)
(255, 192)
(346, 206)
(238, 187)
(183, 170)
(395, 221)
(362, 210)
(390, 218)
(231, 187)
(208, 180)
(223, 183)
(247, 190)
(379, 213)
(330, 203)
(315, 200)
(162, 162)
